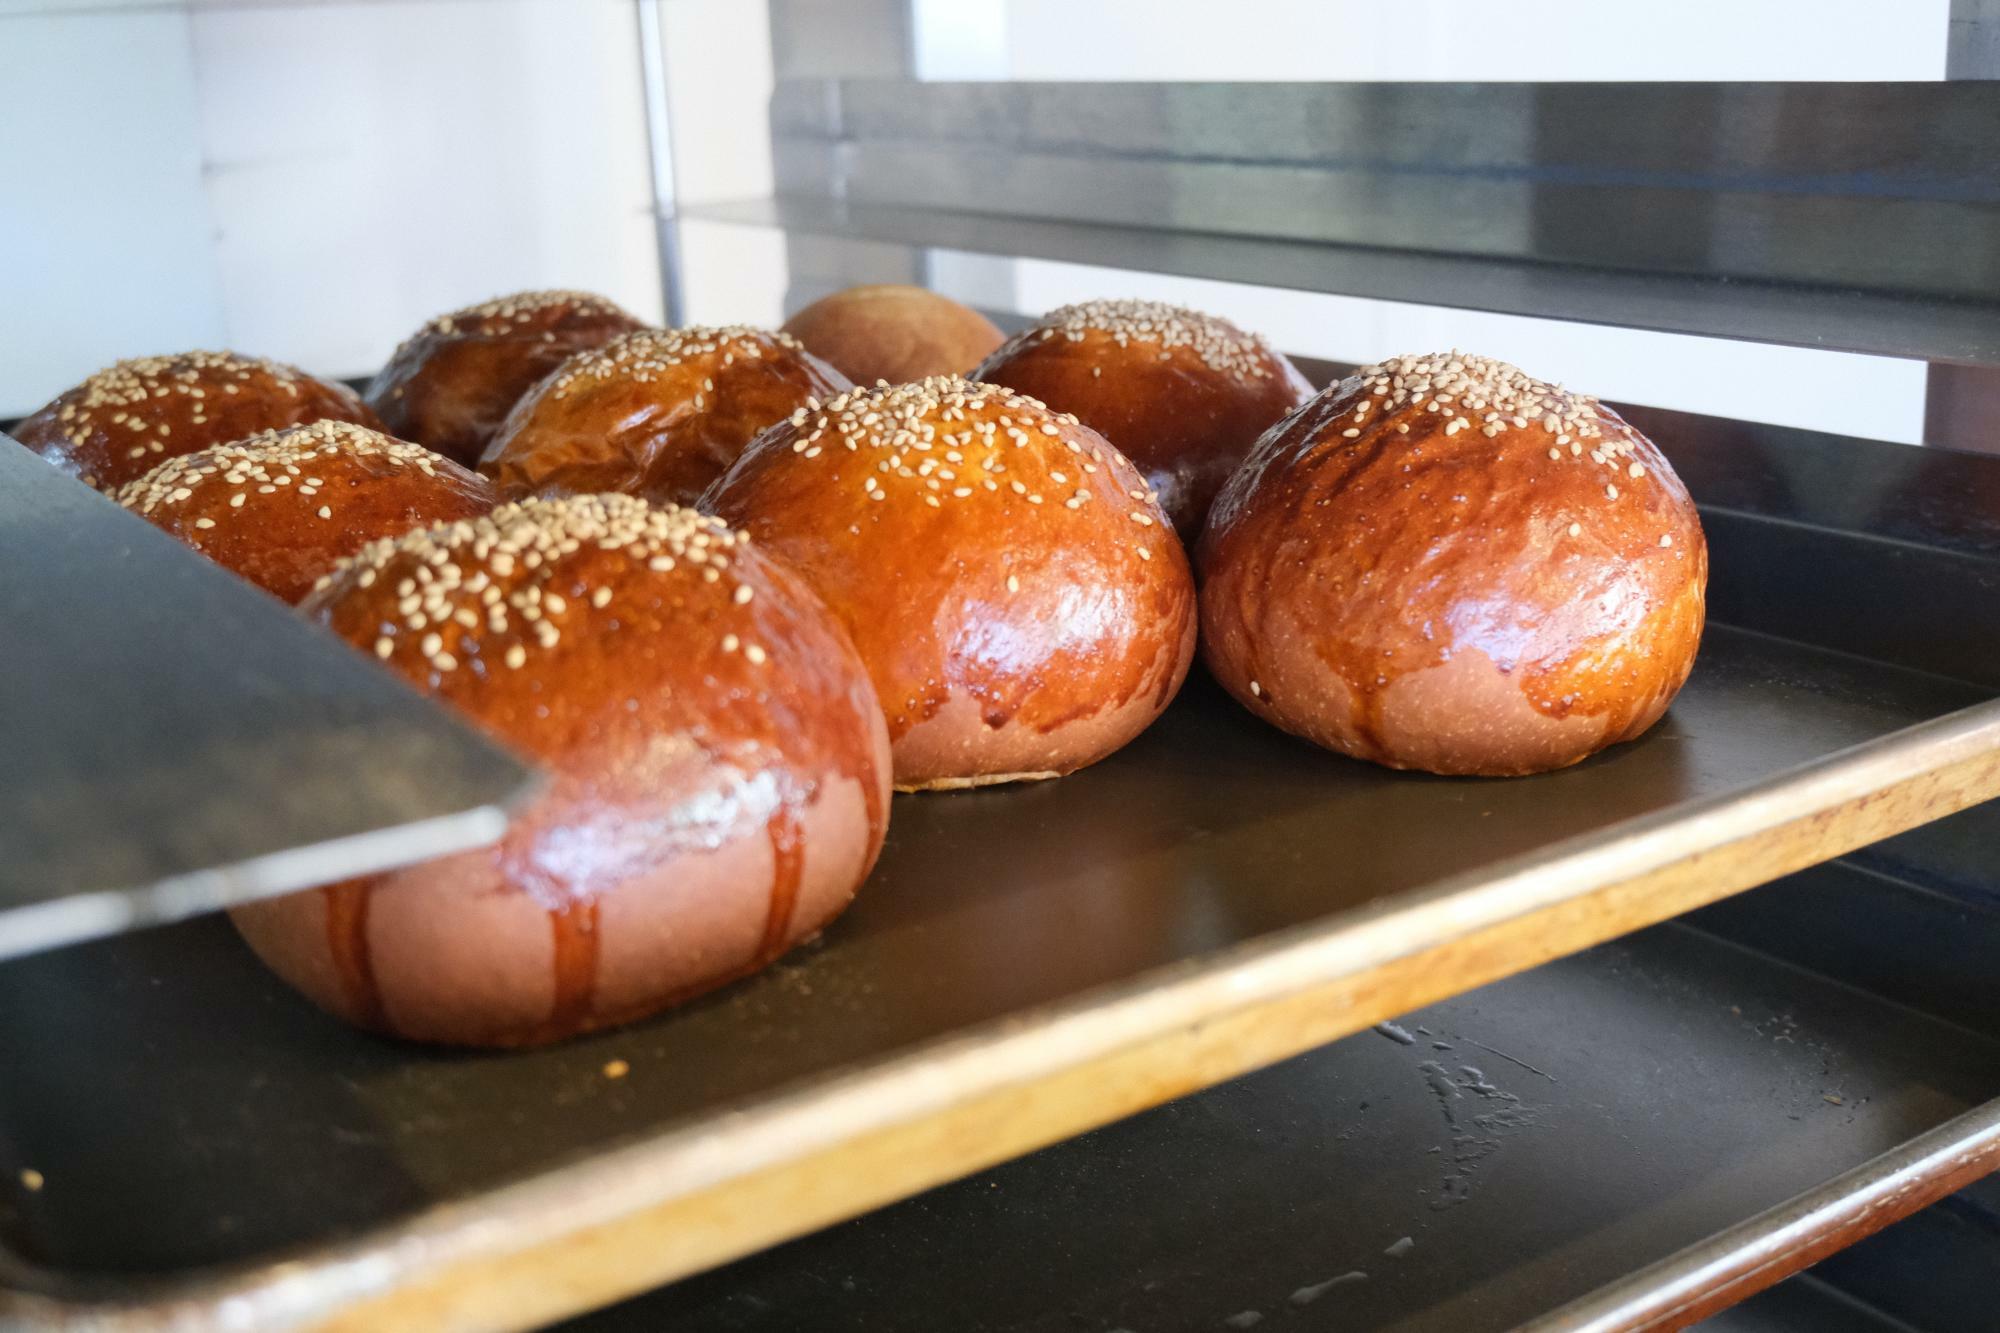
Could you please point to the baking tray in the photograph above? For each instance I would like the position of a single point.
(1553, 1151)
(1026, 964)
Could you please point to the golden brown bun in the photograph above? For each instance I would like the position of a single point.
(1444, 564)
(892, 333)
(1182, 394)
(452, 382)
(655, 414)
(126, 420)
(1017, 595)
(281, 508)
(718, 775)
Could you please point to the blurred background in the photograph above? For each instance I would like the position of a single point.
(311, 180)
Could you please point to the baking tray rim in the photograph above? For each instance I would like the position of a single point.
(595, 1194)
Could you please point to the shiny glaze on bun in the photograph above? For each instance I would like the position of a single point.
(718, 774)
(127, 419)
(657, 414)
(1017, 594)
(1442, 563)
(452, 382)
(282, 507)
(1182, 394)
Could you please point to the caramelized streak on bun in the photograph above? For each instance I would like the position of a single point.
(894, 334)
(655, 414)
(452, 382)
(1441, 563)
(281, 508)
(717, 774)
(1182, 394)
(1016, 592)
(126, 420)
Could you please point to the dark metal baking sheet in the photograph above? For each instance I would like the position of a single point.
(173, 740)
(1839, 319)
(235, 1125)
(1475, 1166)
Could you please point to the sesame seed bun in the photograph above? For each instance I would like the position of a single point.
(282, 507)
(1019, 598)
(718, 774)
(894, 334)
(127, 419)
(657, 414)
(452, 382)
(1182, 394)
(1443, 564)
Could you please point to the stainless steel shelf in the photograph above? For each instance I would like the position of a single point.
(1928, 328)
(175, 741)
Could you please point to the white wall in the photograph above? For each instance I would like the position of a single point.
(717, 56)
(309, 182)
(105, 229)
(1516, 41)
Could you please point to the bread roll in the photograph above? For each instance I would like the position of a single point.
(1445, 564)
(1018, 596)
(717, 775)
(281, 508)
(894, 334)
(124, 421)
(452, 382)
(1182, 394)
(655, 414)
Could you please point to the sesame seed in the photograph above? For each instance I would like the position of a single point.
(1576, 529)
(755, 655)
(1666, 539)
(1013, 583)
(1256, 689)
(517, 656)
(1216, 342)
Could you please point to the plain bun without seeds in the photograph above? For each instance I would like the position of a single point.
(718, 775)
(1019, 598)
(1442, 563)
(895, 334)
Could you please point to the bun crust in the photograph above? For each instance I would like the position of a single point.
(655, 414)
(282, 508)
(452, 382)
(127, 419)
(718, 775)
(1182, 394)
(1018, 596)
(1443, 564)
(894, 334)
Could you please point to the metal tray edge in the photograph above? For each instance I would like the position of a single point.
(693, 1197)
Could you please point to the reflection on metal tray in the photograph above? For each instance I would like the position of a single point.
(176, 741)
(1472, 1166)
(250, 1128)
